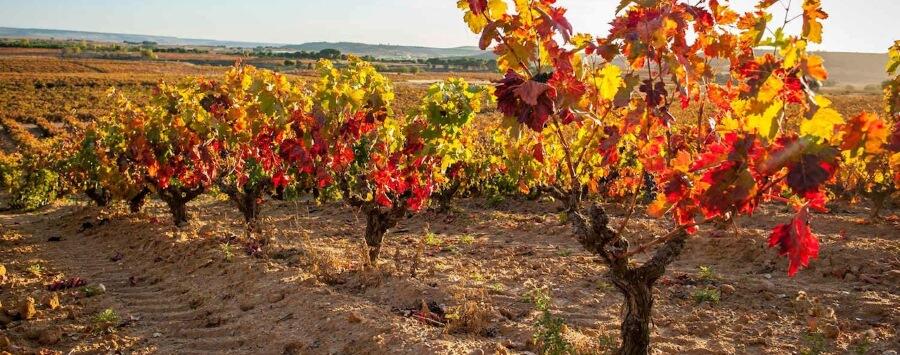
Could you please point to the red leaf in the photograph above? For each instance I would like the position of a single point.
(556, 17)
(538, 152)
(567, 116)
(531, 102)
(488, 35)
(530, 91)
(279, 180)
(383, 200)
(795, 241)
(894, 139)
(806, 176)
(478, 6)
(731, 187)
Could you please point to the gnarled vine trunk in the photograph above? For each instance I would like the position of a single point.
(136, 202)
(634, 282)
(378, 221)
(445, 196)
(570, 198)
(248, 201)
(101, 197)
(177, 198)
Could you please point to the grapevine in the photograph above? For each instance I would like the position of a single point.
(591, 122)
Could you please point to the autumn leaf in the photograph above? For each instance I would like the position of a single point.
(538, 152)
(488, 35)
(866, 131)
(478, 6)
(770, 89)
(556, 17)
(674, 189)
(730, 187)
(529, 101)
(815, 67)
(796, 241)
(812, 13)
(766, 123)
(530, 91)
(623, 4)
(823, 122)
(893, 62)
(608, 81)
(807, 175)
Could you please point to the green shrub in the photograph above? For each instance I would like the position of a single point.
(709, 295)
(10, 172)
(38, 189)
(706, 273)
(105, 321)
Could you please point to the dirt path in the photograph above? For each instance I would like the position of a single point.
(188, 292)
(179, 295)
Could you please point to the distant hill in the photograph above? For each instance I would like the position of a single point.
(361, 49)
(858, 69)
(389, 50)
(9, 32)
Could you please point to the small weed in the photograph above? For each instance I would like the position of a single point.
(92, 290)
(471, 317)
(432, 240)
(706, 273)
(35, 270)
(563, 217)
(608, 343)
(495, 200)
(467, 239)
(564, 253)
(105, 321)
(604, 286)
(477, 277)
(709, 295)
(497, 287)
(814, 343)
(549, 329)
(863, 347)
(227, 251)
(539, 296)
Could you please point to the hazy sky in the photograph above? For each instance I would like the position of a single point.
(855, 25)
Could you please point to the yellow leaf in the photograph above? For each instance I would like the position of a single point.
(476, 22)
(766, 124)
(822, 101)
(812, 13)
(792, 53)
(815, 68)
(728, 124)
(496, 9)
(822, 123)
(581, 40)
(770, 89)
(609, 81)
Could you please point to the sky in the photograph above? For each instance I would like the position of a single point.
(854, 25)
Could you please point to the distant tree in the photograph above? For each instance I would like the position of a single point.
(147, 53)
(329, 53)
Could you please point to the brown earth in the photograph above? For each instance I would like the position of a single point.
(196, 290)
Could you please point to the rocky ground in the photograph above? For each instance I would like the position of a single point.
(463, 282)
